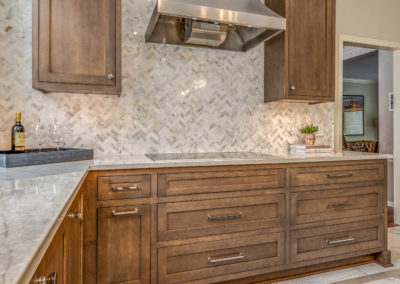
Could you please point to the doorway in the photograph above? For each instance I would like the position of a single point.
(365, 109)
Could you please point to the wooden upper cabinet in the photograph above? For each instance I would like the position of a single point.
(76, 46)
(299, 64)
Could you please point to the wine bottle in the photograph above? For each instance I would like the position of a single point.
(18, 135)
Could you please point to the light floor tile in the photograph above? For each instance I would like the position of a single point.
(390, 280)
(330, 277)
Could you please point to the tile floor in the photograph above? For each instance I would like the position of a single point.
(365, 274)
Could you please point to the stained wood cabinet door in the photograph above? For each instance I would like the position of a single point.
(76, 46)
(123, 245)
(74, 243)
(52, 267)
(299, 65)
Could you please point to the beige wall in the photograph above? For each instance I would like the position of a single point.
(378, 19)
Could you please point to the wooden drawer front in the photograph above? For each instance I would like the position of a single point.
(308, 207)
(223, 181)
(123, 187)
(201, 261)
(209, 217)
(337, 174)
(336, 240)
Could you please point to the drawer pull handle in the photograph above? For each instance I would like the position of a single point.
(51, 279)
(126, 188)
(228, 258)
(339, 205)
(133, 212)
(228, 217)
(348, 239)
(77, 215)
(339, 175)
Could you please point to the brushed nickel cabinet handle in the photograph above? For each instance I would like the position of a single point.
(77, 215)
(51, 279)
(292, 88)
(339, 175)
(227, 258)
(133, 212)
(227, 217)
(339, 205)
(348, 239)
(110, 76)
(126, 188)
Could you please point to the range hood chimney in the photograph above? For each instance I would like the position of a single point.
(236, 25)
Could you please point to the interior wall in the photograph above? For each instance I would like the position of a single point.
(385, 116)
(362, 67)
(174, 99)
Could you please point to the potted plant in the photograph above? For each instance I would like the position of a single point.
(309, 134)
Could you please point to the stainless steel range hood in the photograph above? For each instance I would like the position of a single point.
(236, 25)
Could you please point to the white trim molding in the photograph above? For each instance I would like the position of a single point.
(338, 137)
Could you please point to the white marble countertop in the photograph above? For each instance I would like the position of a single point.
(34, 200)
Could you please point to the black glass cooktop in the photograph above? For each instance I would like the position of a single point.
(207, 156)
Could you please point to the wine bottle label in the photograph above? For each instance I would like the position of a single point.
(19, 139)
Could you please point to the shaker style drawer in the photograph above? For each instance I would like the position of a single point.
(315, 206)
(337, 240)
(123, 187)
(337, 174)
(209, 217)
(220, 181)
(188, 263)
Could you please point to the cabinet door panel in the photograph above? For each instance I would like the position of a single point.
(73, 50)
(52, 266)
(310, 48)
(74, 243)
(124, 245)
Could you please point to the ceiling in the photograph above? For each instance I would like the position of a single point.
(353, 51)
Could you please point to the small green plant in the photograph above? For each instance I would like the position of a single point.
(309, 129)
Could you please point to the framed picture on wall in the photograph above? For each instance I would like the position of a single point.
(391, 101)
(353, 115)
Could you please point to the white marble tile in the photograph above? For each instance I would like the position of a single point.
(331, 277)
(390, 280)
(373, 268)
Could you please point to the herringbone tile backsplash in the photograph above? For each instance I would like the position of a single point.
(174, 99)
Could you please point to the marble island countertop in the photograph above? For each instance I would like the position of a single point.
(34, 200)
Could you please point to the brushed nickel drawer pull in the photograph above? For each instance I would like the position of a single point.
(51, 279)
(339, 175)
(228, 258)
(338, 205)
(133, 212)
(77, 215)
(348, 239)
(228, 217)
(126, 188)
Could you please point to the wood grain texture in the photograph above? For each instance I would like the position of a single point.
(209, 217)
(304, 57)
(76, 45)
(130, 187)
(221, 181)
(180, 231)
(192, 262)
(123, 252)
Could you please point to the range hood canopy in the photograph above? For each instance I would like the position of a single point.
(236, 25)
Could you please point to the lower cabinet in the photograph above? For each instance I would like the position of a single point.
(123, 248)
(62, 262)
(192, 262)
(51, 268)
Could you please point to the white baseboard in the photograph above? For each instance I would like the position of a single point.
(390, 204)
